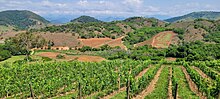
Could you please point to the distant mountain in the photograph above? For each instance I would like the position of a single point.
(21, 19)
(60, 21)
(110, 18)
(85, 19)
(160, 17)
(210, 15)
(143, 19)
(58, 18)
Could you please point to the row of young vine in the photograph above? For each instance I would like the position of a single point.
(211, 89)
(48, 78)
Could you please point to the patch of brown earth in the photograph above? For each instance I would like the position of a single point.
(170, 59)
(61, 39)
(161, 41)
(193, 34)
(192, 85)
(147, 42)
(93, 42)
(86, 58)
(98, 42)
(9, 34)
(83, 58)
(115, 42)
(114, 93)
(64, 94)
(49, 54)
(142, 72)
(170, 96)
(151, 86)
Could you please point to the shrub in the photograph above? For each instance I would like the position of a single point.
(60, 56)
(85, 48)
(46, 59)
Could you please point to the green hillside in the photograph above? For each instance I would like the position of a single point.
(85, 19)
(113, 29)
(21, 19)
(196, 15)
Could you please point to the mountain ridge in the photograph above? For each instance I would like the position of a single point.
(85, 19)
(210, 15)
(21, 19)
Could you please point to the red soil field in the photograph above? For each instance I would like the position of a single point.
(98, 42)
(61, 39)
(83, 58)
(93, 42)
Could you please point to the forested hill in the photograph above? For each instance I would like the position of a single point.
(112, 29)
(21, 19)
(196, 15)
(85, 19)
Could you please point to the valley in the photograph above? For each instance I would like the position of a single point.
(87, 58)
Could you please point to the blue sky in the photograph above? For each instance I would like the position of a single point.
(123, 8)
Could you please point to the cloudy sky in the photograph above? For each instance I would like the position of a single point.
(123, 8)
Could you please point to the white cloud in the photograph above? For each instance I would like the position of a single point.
(181, 9)
(83, 2)
(133, 2)
(103, 7)
(47, 3)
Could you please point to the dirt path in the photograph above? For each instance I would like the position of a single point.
(67, 93)
(143, 72)
(124, 88)
(152, 44)
(114, 93)
(170, 96)
(162, 34)
(151, 86)
(109, 41)
(192, 85)
(168, 43)
(201, 73)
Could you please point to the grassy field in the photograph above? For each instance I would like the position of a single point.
(121, 95)
(20, 57)
(13, 59)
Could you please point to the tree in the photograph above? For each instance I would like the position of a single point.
(105, 47)
(85, 48)
(23, 42)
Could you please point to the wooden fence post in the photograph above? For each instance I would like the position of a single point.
(176, 89)
(80, 92)
(128, 89)
(31, 90)
(128, 84)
